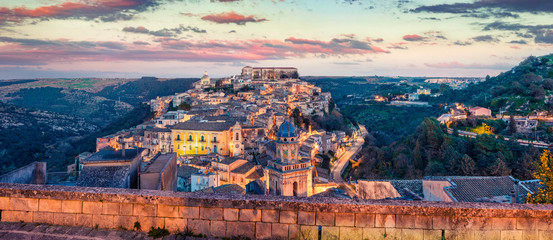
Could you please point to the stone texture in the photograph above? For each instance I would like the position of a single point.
(84, 220)
(190, 212)
(43, 217)
(67, 219)
(405, 221)
(49, 205)
(423, 222)
(126, 222)
(459, 234)
(110, 208)
(250, 215)
(103, 221)
(364, 220)
(330, 233)
(218, 228)
(345, 219)
(199, 226)
(16, 216)
(263, 230)
(432, 234)
(269, 215)
(306, 218)
(92, 207)
(504, 223)
(383, 220)
(148, 222)
(24, 204)
(527, 223)
(230, 214)
(4, 203)
(440, 223)
(412, 234)
(487, 235)
(288, 217)
(308, 232)
(68, 206)
(530, 234)
(175, 224)
(168, 211)
(294, 231)
(511, 234)
(545, 235)
(325, 219)
(279, 231)
(125, 209)
(246, 229)
(347, 233)
(146, 210)
(211, 213)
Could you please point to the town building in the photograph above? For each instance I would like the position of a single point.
(202, 137)
(160, 173)
(204, 178)
(289, 175)
(269, 73)
(158, 140)
(480, 111)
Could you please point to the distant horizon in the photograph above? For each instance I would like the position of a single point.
(131, 38)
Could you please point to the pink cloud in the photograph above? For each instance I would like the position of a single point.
(232, 17)
(413, 38)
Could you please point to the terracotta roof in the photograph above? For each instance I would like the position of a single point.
(107, 177)
(475, 188)
(244, 168)
(230, 188)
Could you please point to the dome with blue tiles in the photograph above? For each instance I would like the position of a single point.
(286, 130)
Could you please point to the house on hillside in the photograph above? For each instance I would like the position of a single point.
(480, 111)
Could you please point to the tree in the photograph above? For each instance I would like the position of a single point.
(467, 165)
(499, 168)
(184, 106)
(544, 173)
(512, 125)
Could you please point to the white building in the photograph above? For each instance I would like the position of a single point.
(203, 179)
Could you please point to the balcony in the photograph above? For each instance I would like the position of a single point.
(288, 167)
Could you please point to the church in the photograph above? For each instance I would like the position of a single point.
(288, 175)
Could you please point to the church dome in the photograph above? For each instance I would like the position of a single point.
(286, 129)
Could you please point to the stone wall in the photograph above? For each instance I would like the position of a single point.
(34, 173)
(272, 217)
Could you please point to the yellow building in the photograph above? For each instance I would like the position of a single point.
(201, 138)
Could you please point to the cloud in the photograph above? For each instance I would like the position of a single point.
(540, 33)
(413, 38)
(518, 42)
(165, 32)
(337, 45)
(544, 37)
(485, 38)
(462, 43)
(400, 45)
(103, 10)
(232, 17)
(141, 43)
(491, 8)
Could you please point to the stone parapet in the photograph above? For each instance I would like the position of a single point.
(263, 217)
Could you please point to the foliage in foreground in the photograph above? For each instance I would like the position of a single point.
(544, 173)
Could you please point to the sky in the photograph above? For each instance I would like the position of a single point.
(184, 38)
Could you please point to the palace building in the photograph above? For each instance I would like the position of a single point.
(289, 175)
(269, 73)
(205, 137)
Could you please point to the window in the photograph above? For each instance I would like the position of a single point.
(215, 148)
(202, 138)
(215, 138)
(178, 137)
(202, 148)
(237, 137)
(190, 137)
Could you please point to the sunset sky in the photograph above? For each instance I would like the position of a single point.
(184, 38)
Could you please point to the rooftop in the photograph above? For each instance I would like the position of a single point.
(114, 156)
(104, 176)
(204, 126)
(159, 163)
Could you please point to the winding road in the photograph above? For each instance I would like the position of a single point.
(341, 163)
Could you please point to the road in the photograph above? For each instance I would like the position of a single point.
(341, 162)
(538, 144)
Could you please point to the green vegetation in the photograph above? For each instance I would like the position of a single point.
(146, 88)
(544, 173)
(158, 232)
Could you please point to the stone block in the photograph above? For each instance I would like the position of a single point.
(110, 208)
(125, 209)
(250, 215)
(294, 231)
(279, 231)
(392, 234)
(308, 232)
(16, 216)
(405, 221)
(384, 220)
(480, 223)
(199, 226)
(24, 204)
(461, 234)
(84, 220)
(190, 212)
(126, 222)
(67, 219)
(43, 217)
(347, 233)
(103, 221)
(325, 219)
(146, 223)
(330, 233)
(462, 222)
(230, 214)
(345, 219)
(144, 210)
(306, 218)
(168, 211)
(211, 213)
(68, 206)
(49, 205)
(175, 224)
(527, 223)
(440, 223)
(504, 223)
(511, 234)
(92, 207)
(263, 230)
(432, 234)
(423, 222)
(530, 234)
(269, 215)
(288, 217)
(245, 229)
(218, 228)
(4, 203)
(545, 235)
(364, 220)
(487, 235)
(412, 234)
